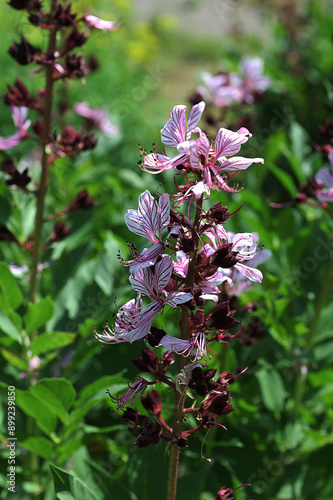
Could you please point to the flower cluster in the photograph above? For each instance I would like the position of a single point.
(226, 89)
(207, 162)
(191, 261)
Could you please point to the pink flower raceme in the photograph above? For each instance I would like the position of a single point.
(198, 156)
(325, 178)
(134, 321)
(19, 115)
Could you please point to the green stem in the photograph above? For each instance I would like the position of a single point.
(41, 194)
(178, 413)
(45, 165)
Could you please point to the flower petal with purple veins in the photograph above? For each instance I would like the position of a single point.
(178, 346)
(147, 258)
(194, 117)
(174, 299)
(163, 271)
(173, 132)
(237, 163)
(228, 143)
(250, 273)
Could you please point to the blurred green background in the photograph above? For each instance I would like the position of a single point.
(279, 437)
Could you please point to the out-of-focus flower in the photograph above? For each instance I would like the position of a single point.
(253, 80)
(26, 4)
(18, 95)
(19, 115)
(72, 142)
(225, 89)
(59, 232)
(23, 52)
(16, 178)
(82, 201)
(325, 178)
(96, 22)
(64, 16)
(96, 118)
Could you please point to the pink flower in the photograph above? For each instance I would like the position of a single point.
(242, 247)
(225, 89)
(325, 177)
(19, 115)
(131, 395)
(209, 285)
(133, 321)
(221, 90)
(101, 24)
(148, 221)
(254, 80)
(98, 118)
(173, 344)
(198, 155)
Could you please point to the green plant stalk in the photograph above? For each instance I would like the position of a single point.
(178, 413)
(45, 166)
(41, 193)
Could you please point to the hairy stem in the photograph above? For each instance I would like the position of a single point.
(45, 165)
(178, 413)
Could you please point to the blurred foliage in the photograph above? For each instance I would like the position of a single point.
(280, 437)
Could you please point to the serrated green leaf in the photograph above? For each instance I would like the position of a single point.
(39, 314)
(40, 446)
(49, 341)
(10, 294)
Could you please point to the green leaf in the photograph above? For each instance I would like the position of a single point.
(285, 179)
(56, 394)
(15, 360)
(272, 389)
(104, 276)
(38, 314)
(10, 294)
(111, 382)
(61, 478)
(8, 327)
(50, 341)
(69, 482)
(40, 446)
(36, 409)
